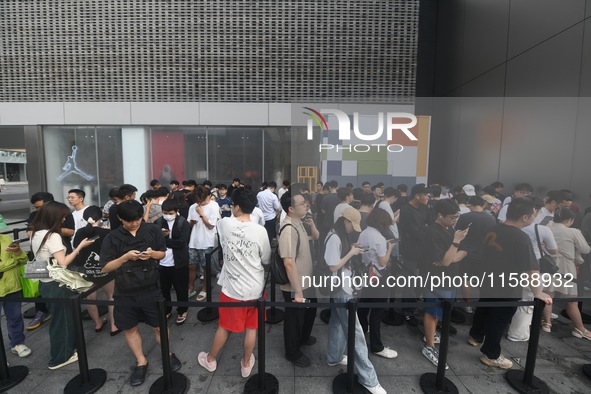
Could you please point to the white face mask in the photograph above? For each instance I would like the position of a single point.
(169, 218)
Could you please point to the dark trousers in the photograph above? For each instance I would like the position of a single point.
(408, 293)
(40, 306)
(297, 327)
(14, 319)
(489, 325)
(271, 227)
(179, 279)
(375, 322)
(62, 336)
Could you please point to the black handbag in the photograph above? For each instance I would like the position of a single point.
(547, 263)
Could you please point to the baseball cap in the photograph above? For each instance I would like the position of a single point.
(353, 215)
(469, 190)
(419, 189)
(3, 225)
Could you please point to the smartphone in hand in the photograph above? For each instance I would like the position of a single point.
(94, 238)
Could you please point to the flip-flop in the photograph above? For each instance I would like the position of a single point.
(192, 294)
(202, 295)
(103, 326)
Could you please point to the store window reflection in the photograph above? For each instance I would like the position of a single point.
(235, 153)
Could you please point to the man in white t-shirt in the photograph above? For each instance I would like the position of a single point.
(284, 187)
(203, 216)
(345, 197)
(269, 204)
(246, 250)
(76, 201)
(521, 190)
(553, 200)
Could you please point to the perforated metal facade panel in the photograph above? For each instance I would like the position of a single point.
(216, 51)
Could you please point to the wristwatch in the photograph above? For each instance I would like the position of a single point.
(457, 245)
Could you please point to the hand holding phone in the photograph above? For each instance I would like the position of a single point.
(94, 238)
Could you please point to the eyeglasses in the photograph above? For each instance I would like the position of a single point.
(301, 204)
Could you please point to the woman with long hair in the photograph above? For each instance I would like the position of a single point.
(337, 255)
(571, 245)
(47, 244)
(88, 263)
(377, 254)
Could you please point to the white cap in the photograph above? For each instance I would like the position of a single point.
(469, 190)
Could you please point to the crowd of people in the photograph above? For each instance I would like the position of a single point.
(136, 252)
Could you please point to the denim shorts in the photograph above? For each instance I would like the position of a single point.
(437, 311)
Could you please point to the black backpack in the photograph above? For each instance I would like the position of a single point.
(277, 265)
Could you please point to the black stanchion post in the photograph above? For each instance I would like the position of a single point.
(525, 381)
(208, 313)
(438, 383)
(348, 382)
(89, 381)
(274, 315)
(261, 382)
(170, 382)
(9, 376)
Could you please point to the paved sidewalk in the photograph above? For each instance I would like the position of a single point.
(560, 358)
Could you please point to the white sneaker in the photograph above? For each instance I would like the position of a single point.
(21, 350)
(376, 389)
(387, 353)
(554, 316)
(468, 309)
(343, 362)
(500, 362)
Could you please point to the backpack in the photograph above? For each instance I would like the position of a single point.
(277, 265)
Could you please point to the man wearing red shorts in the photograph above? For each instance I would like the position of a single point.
(246, 249)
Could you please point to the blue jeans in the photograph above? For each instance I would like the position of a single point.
(14, 319)
(337, 340)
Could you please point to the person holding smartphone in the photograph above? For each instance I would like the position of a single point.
(377, 258)
(11, 256)
(88, 263)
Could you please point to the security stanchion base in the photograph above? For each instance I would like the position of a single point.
(428, 384)
(587, 370)
(16, 374)
(179, 384)
(30, 313)
(339, 385)
(393, 318)
(207, 314)
(96, 380)
(274, 316)
(515, 379)
(325, 315)
(271, 385)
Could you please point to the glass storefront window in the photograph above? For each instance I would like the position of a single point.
(87, 158)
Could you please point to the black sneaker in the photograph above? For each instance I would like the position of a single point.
(138, 375)
(301, 362)
(175, 363)
(411, 320)
(311, 341)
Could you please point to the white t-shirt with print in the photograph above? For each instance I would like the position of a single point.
(332, 256)
(246, 249)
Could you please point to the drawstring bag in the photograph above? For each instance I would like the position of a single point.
(72, 280)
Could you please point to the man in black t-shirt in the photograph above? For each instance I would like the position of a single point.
(132, 251)
(507, 252)
(412, 228)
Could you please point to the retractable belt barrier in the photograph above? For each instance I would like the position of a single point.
(89, 381)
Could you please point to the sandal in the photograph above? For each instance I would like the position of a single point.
(201, 296)
(104, 320)
(547, 327)
(581, 334)
(180, 319)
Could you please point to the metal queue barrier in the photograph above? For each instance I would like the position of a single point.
(89, 381)
(209, 313)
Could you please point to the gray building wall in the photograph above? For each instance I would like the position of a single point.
(512, 81)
